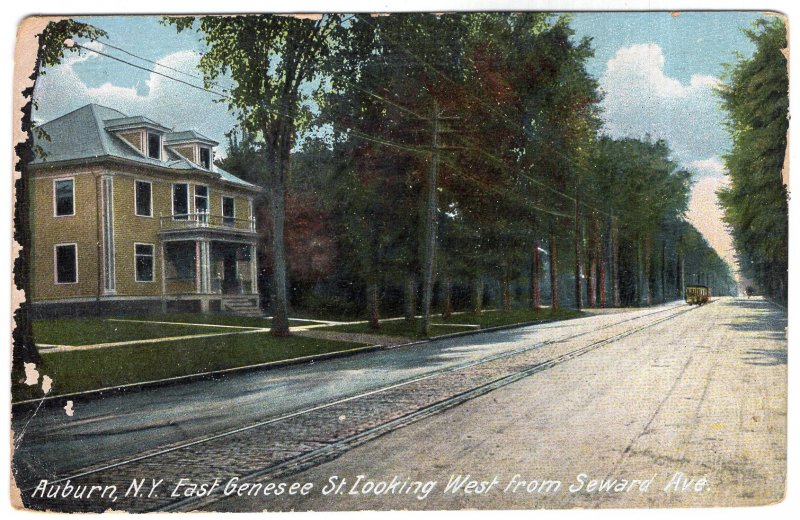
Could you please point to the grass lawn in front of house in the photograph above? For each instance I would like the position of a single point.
(82, 370)
(90, 331)
(230, 320)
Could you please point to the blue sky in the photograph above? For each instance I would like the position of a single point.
(680, 37)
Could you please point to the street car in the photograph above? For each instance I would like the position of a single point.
(697, 294)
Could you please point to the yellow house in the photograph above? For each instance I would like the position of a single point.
(128, 216)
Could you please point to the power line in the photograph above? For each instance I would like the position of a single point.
(222, 95)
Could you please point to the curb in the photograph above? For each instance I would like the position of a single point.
(49, 401)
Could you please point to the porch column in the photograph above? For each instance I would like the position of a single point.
(203, 272)
(163, 260)
(204, 259)
(253, 270)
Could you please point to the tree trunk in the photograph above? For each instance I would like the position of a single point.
(410, 299)
(536, 268)
(554, 304)
(638, 286)
(372, 302)
(648, 294)
(447, 298)
(477, 296)
(601, 275)
(663, 271)
(615, 298)
(280, 302)
(506, 287)
(594, 233)
(430, 226)
(578, 255)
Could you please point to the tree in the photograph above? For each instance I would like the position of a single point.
(275, 63)
(310, 248)
(755, 95)
(528, 114)
(644, 193)
(382, 124)
(53, 46)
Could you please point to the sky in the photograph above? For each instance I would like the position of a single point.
(657, 72)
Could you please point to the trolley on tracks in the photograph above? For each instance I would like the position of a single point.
(697, 294)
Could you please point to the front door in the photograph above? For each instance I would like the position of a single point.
(230, 280)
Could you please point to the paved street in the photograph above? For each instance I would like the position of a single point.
(703, 394)
(627, 395)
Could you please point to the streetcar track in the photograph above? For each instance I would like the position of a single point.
(334, 449)
(418, 414)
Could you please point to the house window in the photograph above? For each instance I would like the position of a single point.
(153, 145)
(228, 211)
(180, 201)
(144, 262)
(66, 263)
(64, 191)
(144, 199)
(200, 198)
(205, 157)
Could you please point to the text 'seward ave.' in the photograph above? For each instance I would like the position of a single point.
(404, 262)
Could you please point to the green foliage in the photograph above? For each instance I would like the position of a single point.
(92, 331)
(79, 371)
(637, 181)
(517, 135)
(755, 96)
(275, 62)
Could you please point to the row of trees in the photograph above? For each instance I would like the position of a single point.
(461, 159)
(756, 97)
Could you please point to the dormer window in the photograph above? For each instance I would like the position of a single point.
(205, 157)
(153, 145)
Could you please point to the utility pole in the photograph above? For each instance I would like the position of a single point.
(430, 231)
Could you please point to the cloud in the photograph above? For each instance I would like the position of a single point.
(641, 99)
(166, 101)
(711, 167)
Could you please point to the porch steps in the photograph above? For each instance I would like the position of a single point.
(242, 306)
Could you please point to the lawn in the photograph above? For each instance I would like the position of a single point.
(212, 319)
(498, 318)
(398, 328)
(88, 331)
(112, 366)
(439, 326)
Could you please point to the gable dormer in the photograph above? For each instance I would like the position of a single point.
(143, 134)
(193, 146)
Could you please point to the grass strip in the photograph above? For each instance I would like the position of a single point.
(439, 326)
(89, 331)
(113, 366)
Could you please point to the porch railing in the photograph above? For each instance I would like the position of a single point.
(204, 219)
(242, 286)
